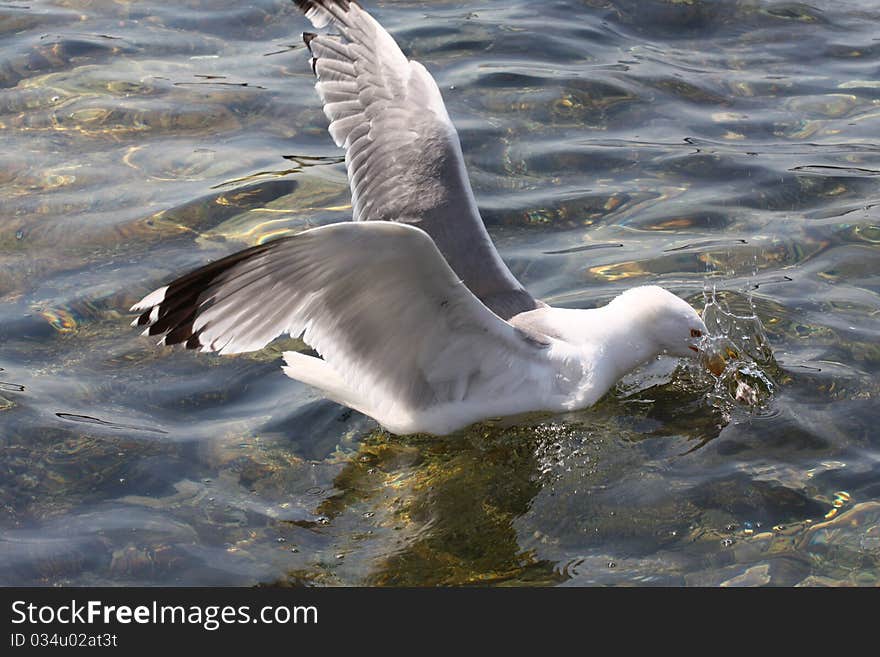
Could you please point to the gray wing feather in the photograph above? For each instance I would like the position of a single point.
(403, 154)
(376, 300)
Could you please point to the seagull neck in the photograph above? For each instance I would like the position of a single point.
(624, 349)
(620, 342)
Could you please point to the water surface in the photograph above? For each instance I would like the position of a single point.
(695, 144)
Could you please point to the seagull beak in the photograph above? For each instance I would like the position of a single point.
(716, 364)
(716, 361)
(712, 359)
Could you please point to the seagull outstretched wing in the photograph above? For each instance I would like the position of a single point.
(402, 151)
(397, 330)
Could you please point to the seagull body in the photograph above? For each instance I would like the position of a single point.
(417, 320)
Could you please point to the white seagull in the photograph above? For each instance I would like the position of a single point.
(417, 321)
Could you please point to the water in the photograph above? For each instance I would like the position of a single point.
(726, 146)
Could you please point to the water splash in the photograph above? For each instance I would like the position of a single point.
(738, 351)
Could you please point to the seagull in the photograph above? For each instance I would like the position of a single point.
(415, 318)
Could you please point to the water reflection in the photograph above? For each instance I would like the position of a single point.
(447, 507)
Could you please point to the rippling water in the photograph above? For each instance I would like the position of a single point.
(702, 145)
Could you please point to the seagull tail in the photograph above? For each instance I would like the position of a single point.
(316, 372)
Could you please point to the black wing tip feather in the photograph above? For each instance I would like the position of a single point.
(175, 314)
(322, 12)
(313, 62)
(326, 5)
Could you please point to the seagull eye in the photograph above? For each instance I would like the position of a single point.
(696, 333)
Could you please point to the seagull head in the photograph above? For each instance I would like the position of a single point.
(667, 321)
